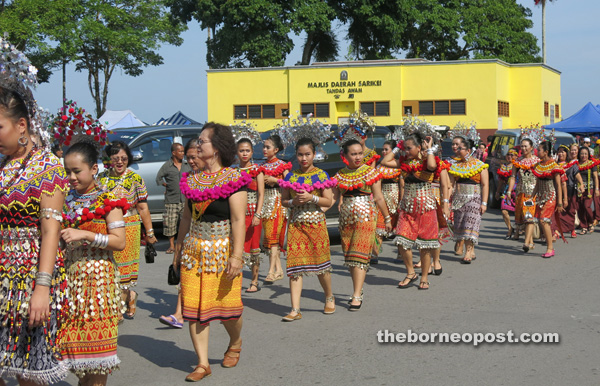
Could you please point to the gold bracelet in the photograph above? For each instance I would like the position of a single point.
(236, 258)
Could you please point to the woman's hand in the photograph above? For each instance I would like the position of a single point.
(597, 193)
(271, 181)
(151, 240)
(427, 143)
(565, 202)
(71, 235)
(234, 267)
(559, 208)
(483, 209)
(388, 227)
(304, 197)
(255, 221)
(39, 306)
(446, 211)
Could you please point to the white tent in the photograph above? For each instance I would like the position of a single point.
(115, 119)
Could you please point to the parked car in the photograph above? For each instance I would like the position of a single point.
(151, 147)
(502, 141)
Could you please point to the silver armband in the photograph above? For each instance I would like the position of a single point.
(116, 224)
(51, 213)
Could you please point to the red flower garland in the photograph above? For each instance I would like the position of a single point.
(588, 164)
(504, 173)
(99, 212)
(277, 171)
(549, 173)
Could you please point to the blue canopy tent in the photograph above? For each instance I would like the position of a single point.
(178, 118)
(585, 121)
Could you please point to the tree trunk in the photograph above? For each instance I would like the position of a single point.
(308, 47)
(64, 85)
(544, 31)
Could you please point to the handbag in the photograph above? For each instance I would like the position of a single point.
(150, 253)
(172, 276)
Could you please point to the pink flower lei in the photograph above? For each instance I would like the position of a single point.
(298, 187)
(215, 192)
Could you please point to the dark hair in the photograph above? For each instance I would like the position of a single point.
(566, 150)
(416, 138)
(349, 143)
(466, 142)
(189, 144)
(115, 147)
(88, 151)
(528, 140)
(175, 145)
(547, 146)
(391, 143)
(222, 140)
(244, 140)
(276, 142)
(13, 105)
(305, 142)
(56, 147)
(582, 148)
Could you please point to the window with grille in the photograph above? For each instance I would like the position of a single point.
(546, 109)
(556, 112)
(425, 107)
(254, 112)
(318, 110)
(503, 109)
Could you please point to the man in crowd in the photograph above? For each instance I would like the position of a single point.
(169, 176)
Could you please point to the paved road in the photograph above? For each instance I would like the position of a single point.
(502, 290)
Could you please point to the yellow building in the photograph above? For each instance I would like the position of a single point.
(493, 93)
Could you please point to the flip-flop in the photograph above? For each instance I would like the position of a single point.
(170, 251)
(170, 321)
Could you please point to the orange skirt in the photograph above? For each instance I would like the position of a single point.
(524, 214)
(128, 260)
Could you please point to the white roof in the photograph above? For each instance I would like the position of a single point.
(116, 119)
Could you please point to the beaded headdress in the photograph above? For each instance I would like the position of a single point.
(358, 126)
(72, 124)
(411, 125)
(19, 75)
(291, 131)
(513, 151)
(245, 130)
(467, 132)
(534, 133)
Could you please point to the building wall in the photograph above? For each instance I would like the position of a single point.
(481, 84)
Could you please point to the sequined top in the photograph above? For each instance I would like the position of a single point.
(525, 178)
(20, 205)
(129, 185)
(357, 180)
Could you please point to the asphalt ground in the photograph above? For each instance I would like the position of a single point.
(503, 290)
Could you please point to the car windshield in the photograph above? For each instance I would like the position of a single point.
(123, 135)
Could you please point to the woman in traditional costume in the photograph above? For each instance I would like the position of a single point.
(245, 138)
(469, 177)
(125, 183)
(32, 193)
(548, 192)
(589, 176)
(307, 192)
(574, 183)
(93, 228)
(524, 180)
(360, 125)
(507, 204)
(273, 215)
(358, 191)
(211, 259)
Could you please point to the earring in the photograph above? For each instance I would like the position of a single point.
(23, 141)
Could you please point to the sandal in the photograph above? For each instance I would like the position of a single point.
(583, 231)
(410, 280)
(278, 276)
(329, 310)
(423, 284)
(290, 318)
(170, 251)
(171, 321)
(353, 307)
(269, 279)
(591, 229)
(253, 284)
(131, 305)
(509, 234)
(465, 260)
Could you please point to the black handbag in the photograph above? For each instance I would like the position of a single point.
(150, 253)
(173, 276)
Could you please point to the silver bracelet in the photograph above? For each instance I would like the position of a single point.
(315, 199)
(94, 243)
(435, 148)
(43, 278)
(51, 213)
(396, 150)
(116, 224)
(445, 200)
(290, 203)
(104, 242)
(429, 151)
(483, 203)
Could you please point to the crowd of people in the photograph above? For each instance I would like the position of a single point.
(71, 234)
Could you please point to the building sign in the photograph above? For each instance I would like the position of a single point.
(345, 86)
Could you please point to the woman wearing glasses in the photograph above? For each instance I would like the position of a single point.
(125, 183)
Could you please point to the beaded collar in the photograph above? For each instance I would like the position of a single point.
(417, 167)
(388, 173)
(526, 163)
(590, 163)
(95, 204)
(505, 170)
(313, 180)
(204, 186)
(547, 169)
(568, 165)
(253, 170)
(442, 165)
(467, 169)
(275, 167)
(350, 179)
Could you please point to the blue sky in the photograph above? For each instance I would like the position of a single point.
(572, 43)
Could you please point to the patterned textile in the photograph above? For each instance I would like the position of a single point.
(370, 157)
(206, 291)
(273, 214)
(171, 218)
(444, 231)
(308, 241)
(129, 185)
(391, 195)
(419, 230)
(584, 209)
(357, 224)
(466, 207)
(252, 242)
(544, 211)
(524, 214)
(525, 178)
(89, 336)
(128, 260)
(359, 179)
(29, 353)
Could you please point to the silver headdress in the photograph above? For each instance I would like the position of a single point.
(19, 75)
(245, 130)
(413, 124)
(467, 132)
(534, 133)
(291, 131)
(357, 128)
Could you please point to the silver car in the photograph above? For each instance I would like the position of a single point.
(151, 147)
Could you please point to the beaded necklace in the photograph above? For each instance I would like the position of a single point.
(588, 166)
(388, 173)
(95, 204)
(526, 163)
(568, 165)
(212, 186)
(546, 169)
(253, 170)
(350, 179)
(10, 183)
(505, 170)
(275, 167)
(313, 180)
(467, 169)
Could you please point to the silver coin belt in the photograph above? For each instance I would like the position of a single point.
(272, 201)
(526, 182)
(545, 192)
(80, 250)
(207, 247)
(357, 209)
(464, 193)
(391, 195)
(252, 200)
(418, 198)
(307, 213)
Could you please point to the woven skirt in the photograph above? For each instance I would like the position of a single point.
(308, 250)
(128, 260)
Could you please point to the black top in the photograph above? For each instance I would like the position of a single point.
(218, 210)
